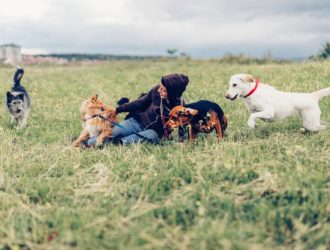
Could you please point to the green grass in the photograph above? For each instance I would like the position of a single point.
(263, 189)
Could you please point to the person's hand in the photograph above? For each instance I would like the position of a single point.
(116, 111)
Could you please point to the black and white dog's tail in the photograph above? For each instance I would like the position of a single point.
(18, 76)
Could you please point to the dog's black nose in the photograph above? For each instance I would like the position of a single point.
(231, 98)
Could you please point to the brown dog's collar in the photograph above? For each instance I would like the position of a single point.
(94, 116)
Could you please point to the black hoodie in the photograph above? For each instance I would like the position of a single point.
(175, 85)
(146, 110)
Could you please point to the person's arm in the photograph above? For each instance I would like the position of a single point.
(139, 104)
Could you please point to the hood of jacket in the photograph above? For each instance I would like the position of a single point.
(175, 85)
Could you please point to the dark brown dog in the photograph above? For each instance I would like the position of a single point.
(202, 117)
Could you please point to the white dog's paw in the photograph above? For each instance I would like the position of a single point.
(315, 129)
(251, 123)
(21, 125)
(322, 127)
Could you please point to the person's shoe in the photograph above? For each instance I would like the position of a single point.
(108, 140)
(117, 140)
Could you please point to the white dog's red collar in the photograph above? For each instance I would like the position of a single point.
(252, 90)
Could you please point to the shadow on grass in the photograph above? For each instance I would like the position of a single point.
(265, 131)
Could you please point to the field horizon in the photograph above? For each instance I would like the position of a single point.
(267, 188)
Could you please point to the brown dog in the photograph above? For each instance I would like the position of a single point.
(96, 121)
(202, 116)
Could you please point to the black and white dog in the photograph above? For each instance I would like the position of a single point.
(18, 101)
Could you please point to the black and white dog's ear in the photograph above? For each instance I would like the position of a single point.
(9, 96)
(20, 96)
(18, 76)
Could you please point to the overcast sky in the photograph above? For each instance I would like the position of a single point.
(201, 28)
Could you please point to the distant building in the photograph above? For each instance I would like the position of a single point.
(10, 54)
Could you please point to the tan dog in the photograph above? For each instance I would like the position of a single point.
(97, 121)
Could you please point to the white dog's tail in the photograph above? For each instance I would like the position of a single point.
(322, 93)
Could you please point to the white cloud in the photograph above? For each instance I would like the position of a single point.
(18, 10)
(200, 27)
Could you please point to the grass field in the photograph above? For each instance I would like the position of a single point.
(263, 189)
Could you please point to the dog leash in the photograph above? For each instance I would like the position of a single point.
(163, 118)
(166, 133)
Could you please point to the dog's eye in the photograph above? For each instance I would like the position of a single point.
(181, 113)
(234, 85)
(102, 109)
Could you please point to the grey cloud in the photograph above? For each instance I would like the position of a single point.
(200, 28)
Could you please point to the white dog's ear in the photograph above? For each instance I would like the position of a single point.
(248, 78)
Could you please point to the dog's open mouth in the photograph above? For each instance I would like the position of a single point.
(232, 98)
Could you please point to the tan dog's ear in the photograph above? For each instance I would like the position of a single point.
(191, 111)
(248, 78)
(94, 97)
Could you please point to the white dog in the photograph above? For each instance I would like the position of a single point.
(269, 104)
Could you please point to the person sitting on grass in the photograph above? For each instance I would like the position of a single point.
(149, 113)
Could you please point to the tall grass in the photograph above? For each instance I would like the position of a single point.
(266, 188)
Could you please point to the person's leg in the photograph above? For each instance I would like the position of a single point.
(149, 133)
(126, 127)
(129, 126)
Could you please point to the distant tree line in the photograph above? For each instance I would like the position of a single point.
(172, 53)
(98, 57)
(230, 58)
(324, 52)
(244, 59)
